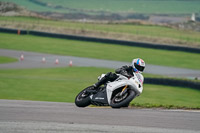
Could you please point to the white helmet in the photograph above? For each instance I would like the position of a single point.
(138, 64)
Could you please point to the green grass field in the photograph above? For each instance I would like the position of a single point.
(116, 6)
(137, 6)
(63, 84)
(7, 60)
(147, 32)
(99, 50)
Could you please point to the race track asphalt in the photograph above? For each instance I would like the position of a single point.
(42, 117)
(34, 60)
(18, 116)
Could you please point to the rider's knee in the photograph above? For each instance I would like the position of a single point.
(111, 76)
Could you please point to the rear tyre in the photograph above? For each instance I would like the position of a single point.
(122, 101)
(83, 99)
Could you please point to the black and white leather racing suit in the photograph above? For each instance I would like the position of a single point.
(124, 70)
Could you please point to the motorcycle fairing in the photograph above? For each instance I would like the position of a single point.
(112, 86)
(100, 98)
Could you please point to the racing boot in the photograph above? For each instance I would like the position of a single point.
(94, 88)
(100, 82)
(108, 77)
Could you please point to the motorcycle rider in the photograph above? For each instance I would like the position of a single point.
(137, 66)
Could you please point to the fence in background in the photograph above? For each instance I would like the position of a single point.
(173, 82)
(103, 40)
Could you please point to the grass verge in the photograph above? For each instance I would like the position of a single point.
(63, 84)
(7, 59)
(134, 32)
(159, 96)
(99, 50)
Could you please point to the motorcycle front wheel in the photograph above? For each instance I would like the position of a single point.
(119, 101)
(83, 99)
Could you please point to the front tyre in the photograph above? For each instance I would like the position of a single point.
(119, 101)
(83, 99)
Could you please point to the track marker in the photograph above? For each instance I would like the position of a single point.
(18, 32)
(70, 63)
(22, 57)
(43, 60)
(57, 61)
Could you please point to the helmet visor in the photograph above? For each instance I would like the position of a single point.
(139, 68)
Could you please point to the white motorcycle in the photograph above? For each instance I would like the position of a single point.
(116, 94)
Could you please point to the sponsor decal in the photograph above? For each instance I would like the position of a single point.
(110, 85)
(139, 79)
(99, 98)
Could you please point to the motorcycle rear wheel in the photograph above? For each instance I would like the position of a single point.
(83, 99)
(122, 101)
